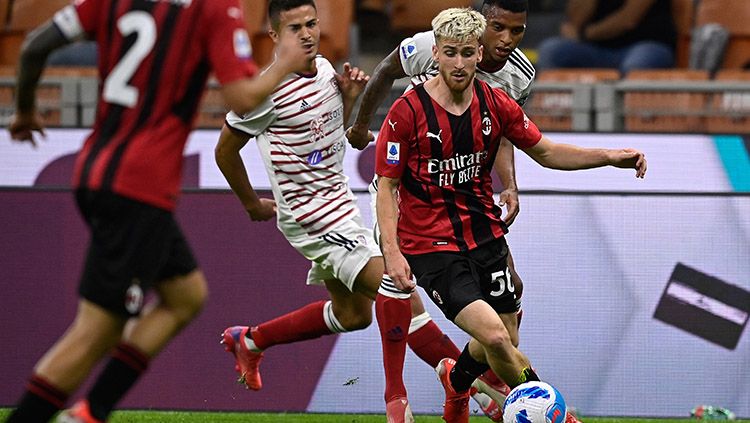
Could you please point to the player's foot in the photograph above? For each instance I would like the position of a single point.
(487, 404)
(571, 418)
(456, 407)
(397, 410)
(493, 386)
(78, 413)
(246, 362)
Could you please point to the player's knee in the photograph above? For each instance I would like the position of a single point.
(354, 320)
(189, 303)
(497, 341)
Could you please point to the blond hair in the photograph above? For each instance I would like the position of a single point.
(458, 24)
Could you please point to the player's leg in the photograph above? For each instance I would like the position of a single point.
(493, 343)
(64, 367)
(344, 312)
(157, 255)
(180, 299)
(337, 259)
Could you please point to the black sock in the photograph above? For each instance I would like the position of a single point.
(39, 403)
(527, 375)
(466, 370)
(123, 370)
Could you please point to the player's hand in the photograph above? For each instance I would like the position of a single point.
(628, 158)
(398, 269)
(352, 81)
(263, 210)
(359, 136)
(509, 198)
(291, 53)
(23, 125)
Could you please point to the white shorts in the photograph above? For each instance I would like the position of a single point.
(339, 254)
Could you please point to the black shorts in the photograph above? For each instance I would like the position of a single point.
(133, 246)
(456, 279)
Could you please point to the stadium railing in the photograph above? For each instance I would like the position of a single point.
(589, 104)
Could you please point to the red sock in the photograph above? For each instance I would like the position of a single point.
(393, 317)
(299, 325)
(431, 345)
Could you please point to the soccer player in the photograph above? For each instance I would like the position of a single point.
(436, 212)
(300, 134)
(127, 179)
(502, 66)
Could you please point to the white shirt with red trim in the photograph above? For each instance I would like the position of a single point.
(300, 134)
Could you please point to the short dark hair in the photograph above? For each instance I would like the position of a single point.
(275, 7)
(515, 6)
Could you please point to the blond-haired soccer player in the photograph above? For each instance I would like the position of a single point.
(436, 212)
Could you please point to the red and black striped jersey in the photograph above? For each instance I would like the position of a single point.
(154, 59)
(444, 165)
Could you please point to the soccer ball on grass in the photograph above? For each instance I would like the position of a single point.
(534, 402)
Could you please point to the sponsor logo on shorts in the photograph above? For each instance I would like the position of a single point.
(437, 297)
(134, 297)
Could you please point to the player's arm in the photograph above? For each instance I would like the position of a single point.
(381, 82)
(396, 265)
(623, 20)
(227, 155)
(572, 157)
(505, 168)
(38, 44)
(245, 94)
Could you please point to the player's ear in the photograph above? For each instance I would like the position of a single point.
(274, 35)
(480, 51)
(435, 53)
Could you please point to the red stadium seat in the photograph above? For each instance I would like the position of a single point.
(412, 16)
(734, 15)
(552, 110)
(683, 12)
(733, 106)
(665, 111)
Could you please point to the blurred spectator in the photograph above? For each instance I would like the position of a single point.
(622, 34)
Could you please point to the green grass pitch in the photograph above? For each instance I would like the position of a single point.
(138, 416)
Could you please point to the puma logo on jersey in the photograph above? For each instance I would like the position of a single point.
(393, 125)
(437, 137)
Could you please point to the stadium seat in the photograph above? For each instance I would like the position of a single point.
(733, 107)
(552, 110)
(662, 111)
(734, 15)
(412, 16)
(683, 12)
(19, 18)
(335, 22)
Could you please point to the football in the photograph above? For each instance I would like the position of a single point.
(534, 402)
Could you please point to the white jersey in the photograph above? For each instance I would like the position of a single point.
(514, 78)
(300, 134)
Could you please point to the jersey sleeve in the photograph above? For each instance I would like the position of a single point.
(78, 21)
(229, 49)
(393, 142)
(415, 53)
(517, 127)
(255, 122)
